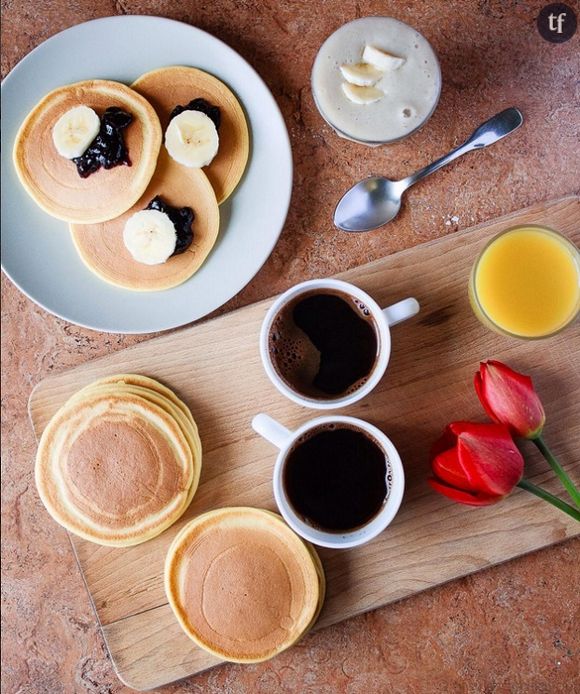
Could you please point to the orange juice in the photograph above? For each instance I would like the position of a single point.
(526, 282)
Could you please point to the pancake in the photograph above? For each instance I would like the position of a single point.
(152, 384)
(187, 425)
(102, 249)
(114, 469)
(242, 584)
(53, 181)
(169, 87)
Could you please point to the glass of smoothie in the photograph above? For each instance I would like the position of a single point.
(376, 80)
(526, 282)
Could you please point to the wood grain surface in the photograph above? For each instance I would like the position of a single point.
(215, 367)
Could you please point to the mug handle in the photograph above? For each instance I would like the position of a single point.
(271, 430)
(402, 310)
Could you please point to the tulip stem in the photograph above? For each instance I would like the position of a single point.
(550, 498)
(558, 469)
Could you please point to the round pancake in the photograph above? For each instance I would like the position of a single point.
(137, 384)
(242, 584)
(169, 87)
(53, 180)
(188, 429)
(116, 470)
(152, 384)
(321, 587)
(102, 249)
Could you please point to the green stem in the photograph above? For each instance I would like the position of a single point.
(558, 469)
(550, 498)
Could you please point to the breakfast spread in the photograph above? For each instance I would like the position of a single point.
(83, 180)
(242, 585)
(376, 80)
(120, 461)
(139, 173)
(143, 216)
(203, 122)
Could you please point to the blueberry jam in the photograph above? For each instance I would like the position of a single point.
(108, 148)
(202, 105)
(182, 218)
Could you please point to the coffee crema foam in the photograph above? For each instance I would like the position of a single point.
(324, 344)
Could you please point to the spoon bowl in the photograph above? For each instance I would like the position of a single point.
(369, 204)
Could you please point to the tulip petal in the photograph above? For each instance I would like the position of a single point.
(446, 441)
(446, 467)
(489, 458)
(462, 497)
(509, 398)
(478, 383)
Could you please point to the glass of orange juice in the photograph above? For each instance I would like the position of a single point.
(526, 282)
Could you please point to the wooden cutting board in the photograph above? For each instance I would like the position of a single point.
(215, 367)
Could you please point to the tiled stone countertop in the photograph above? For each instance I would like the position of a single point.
(507, 629)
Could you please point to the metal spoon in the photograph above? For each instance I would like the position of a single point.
(376, 200)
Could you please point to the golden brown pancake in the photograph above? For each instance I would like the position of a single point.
(53, 181)
(242, 584)
(114, 469)
(102, 249)
(151, 383)
(169, 87)
(187, 425)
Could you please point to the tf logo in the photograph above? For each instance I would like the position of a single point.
(557, 22)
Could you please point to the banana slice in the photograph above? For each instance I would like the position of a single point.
(361, 95)
(150, 237)
(74, 131)
(382, 60)
(191, 139)
(361, 74)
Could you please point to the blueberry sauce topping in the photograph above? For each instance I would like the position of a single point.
(108, 149)
(182, 218)
(202, 105)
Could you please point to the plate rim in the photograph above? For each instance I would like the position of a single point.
(284, 203)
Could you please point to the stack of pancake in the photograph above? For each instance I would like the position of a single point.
(242, 584)
(120, 461)
(98, 207)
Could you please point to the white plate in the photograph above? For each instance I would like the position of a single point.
(37, 251)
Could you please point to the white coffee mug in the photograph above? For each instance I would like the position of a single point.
(284, 440)
(384, 319)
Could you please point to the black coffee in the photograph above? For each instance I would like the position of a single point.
(337, 478)
(324, 344)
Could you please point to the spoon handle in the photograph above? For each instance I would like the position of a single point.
(491, 131)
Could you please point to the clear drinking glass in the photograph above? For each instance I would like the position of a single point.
(525, 283)
(411, 92)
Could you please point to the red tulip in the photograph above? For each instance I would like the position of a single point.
(476, 464)
(509, 398)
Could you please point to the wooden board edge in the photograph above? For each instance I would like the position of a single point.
(128, 679)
